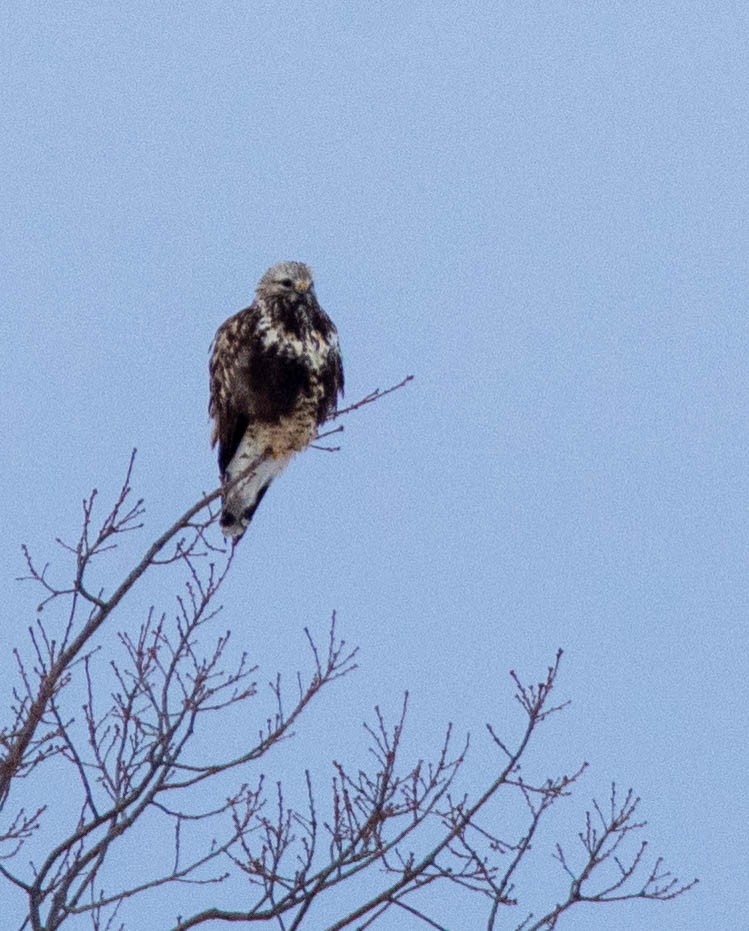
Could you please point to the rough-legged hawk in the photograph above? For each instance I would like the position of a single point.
(275, 377)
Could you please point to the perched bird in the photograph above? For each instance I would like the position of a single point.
(275, 374)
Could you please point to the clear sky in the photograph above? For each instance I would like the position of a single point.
(539, 210)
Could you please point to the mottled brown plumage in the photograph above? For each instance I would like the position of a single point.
(275, 375)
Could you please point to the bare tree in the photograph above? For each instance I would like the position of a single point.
(124, 735)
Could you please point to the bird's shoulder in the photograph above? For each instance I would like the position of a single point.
(238, 328)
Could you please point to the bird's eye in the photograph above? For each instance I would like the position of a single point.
(287, 282)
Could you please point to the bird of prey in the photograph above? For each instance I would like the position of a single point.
(275, 376)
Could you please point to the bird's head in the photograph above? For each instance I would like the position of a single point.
(287, 280)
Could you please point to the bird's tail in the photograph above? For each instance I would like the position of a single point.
(242, 500)
(236, 514)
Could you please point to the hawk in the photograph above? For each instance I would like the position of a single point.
(275, 374)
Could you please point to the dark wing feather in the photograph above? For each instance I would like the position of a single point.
(233, 429)
(228, 384)
(331, 375)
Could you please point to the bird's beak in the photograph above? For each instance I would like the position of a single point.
(302, 286)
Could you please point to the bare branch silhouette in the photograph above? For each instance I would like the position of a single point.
(125, 723)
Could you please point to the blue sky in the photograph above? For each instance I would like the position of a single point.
(539, 210)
